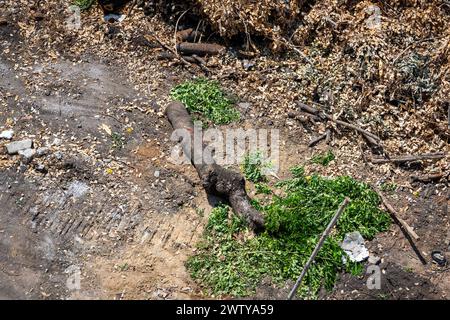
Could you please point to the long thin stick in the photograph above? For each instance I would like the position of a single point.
(410, 158)
(318, 246)
(314, 111)
(406, 229)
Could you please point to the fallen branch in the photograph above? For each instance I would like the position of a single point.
(311, 110)
(315, 141)
(410, 158)
(215, 179)
(318, 246)
(165, 46)
(170, 56)
(174, 52)
(408, 232)
(191, 59)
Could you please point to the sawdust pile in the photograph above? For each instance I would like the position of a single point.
(268, 18)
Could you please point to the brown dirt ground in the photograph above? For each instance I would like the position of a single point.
(127, 217)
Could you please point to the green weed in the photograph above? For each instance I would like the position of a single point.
(227, 262)
(84, 4)
(253, 166)
(323, 159)
(388, 187)
(118, 140)
(206, 100)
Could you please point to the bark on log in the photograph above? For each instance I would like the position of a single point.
(200, 49)
(215, 179)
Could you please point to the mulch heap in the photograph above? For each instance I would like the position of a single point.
(381, 64)
(267, 18)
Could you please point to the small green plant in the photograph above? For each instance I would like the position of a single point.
(228, 263)
(262, 188)
(388, 187)
(383, 296)
(200, 212)
(409, 269)
(117, 140)
(123, 267)
(323, 159)
(84, 4)
(253, 166)
(205, 99)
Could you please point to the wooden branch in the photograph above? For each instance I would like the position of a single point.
(308, 109)
(410, 158)
(315, 141)
(215, 179)
(168, 48)
(408, 232)
(311, 110)
(318, 246)
(165, 55)
(175, 53)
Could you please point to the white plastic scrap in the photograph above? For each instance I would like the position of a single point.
(353, 245)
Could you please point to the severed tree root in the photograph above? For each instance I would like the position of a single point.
(215, 179)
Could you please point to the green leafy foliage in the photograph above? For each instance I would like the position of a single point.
(262, 188)
(388, 187)
(323, 159)
(253, 166)
(84, 4)
(229, 262)
(205, 99)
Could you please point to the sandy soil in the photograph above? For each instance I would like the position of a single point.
(124, 219)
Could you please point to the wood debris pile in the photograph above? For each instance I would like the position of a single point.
(269, 19)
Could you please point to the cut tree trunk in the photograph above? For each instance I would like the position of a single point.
(200, 49)
(215, 179)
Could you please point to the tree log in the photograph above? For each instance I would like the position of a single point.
(200, 49)
(215, 179)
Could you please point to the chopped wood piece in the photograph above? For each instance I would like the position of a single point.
(188, 35)
(200, 49)
(307, 108)
(311, 110)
